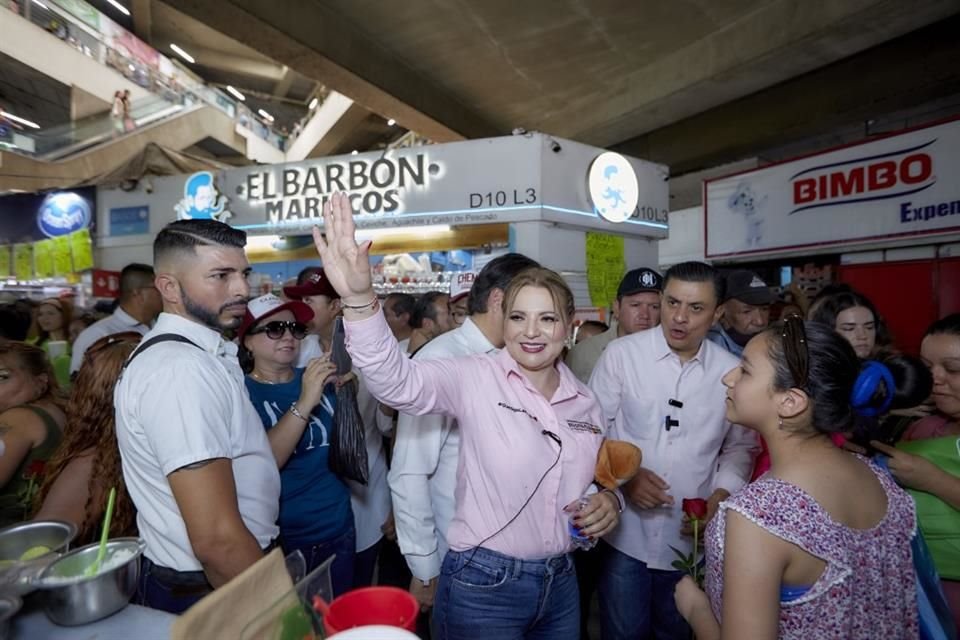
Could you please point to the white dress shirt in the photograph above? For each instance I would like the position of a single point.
(634, 380)
(118, 322)
(423, 474)
(371, 503)
(177, 404)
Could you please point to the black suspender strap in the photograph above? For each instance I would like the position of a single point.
(163, 337)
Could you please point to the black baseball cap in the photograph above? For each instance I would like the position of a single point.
(638, 281)
(748, 287)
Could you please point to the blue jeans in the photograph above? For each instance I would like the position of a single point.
(483, 594)
(636, 603)
(343, 546)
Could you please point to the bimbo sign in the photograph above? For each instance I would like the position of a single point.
(889, 188)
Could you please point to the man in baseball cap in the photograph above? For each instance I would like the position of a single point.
(460, 286)
(746, 311)
(636, 308)
(315, 290)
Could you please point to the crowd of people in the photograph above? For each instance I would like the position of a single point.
(827, 463)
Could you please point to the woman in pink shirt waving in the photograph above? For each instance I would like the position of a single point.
(530, 433)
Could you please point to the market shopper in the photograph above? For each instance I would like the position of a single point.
(460, 286)
(196, 458)
(296, 406)
(398, 310)
(431, 318)
(853, 316)
(661, 390)
(927, 460)
(525, 423)
(138, 305)
(86, 464)
(314, 290)
(637, 308)
(52, 317)
(370, 502)
(31, 426)
(746, 311)
(791, 556)
(423, 473)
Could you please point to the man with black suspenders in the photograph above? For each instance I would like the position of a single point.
(196, 459)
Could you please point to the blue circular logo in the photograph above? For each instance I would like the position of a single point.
(63, 213)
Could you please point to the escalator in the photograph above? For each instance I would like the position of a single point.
(77, 151)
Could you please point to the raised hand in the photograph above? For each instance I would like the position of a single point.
(345, 263)
(318, 373)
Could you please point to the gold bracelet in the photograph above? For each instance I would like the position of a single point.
(296, 412)
(360, 307)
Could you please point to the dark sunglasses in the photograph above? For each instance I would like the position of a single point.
(275, 329)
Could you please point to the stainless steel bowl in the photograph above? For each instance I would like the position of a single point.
(71, 598)
(17, 575)
(9, 606)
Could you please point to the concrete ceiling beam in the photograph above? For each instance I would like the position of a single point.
(902, 74)
(317, 42)
(142, 15)
(779, 40)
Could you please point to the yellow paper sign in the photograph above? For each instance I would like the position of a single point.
(82, 250)
(43, 258)
(23, 261)
(6, 260)
(62, 256)
(606, 265)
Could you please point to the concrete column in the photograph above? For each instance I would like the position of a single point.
(83, 104)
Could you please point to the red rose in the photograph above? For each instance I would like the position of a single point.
(35, 469)
(695, 508)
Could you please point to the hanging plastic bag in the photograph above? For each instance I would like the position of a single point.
(348, 448)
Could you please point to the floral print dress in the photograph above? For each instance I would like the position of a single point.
(868, 588)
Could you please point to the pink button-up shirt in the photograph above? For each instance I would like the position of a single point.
(504, 452)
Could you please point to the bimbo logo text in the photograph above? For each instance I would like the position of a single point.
(879, 177)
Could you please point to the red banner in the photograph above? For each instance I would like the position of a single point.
(106, 284)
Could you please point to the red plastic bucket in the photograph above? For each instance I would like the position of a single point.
(372, 605)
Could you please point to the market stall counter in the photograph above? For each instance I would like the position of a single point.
(133, 621)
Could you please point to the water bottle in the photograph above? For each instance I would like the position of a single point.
(578, 540)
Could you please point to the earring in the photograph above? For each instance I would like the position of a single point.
(780, 422)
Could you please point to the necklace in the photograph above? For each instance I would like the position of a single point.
(260, 378)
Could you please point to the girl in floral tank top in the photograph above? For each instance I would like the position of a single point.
(868, 589)
(819, 547)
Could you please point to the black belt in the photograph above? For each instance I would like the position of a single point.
(185, 583)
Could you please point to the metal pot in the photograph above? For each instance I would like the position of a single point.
(71, 598)
(16, 575)
(9, 606)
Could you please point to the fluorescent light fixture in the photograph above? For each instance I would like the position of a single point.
(265, 114)
(236, 94)
(314, 103)
(183, 54)
(354, 152)
(262, 242)
(426, 230)
(119, 7)
(23, 121)
(41, 5)
(391, 122)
